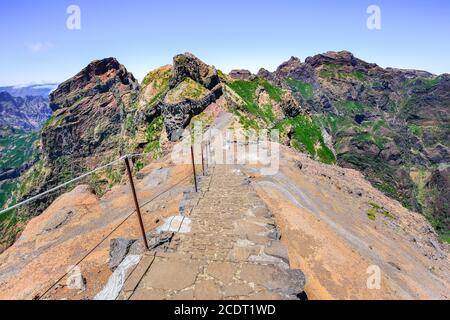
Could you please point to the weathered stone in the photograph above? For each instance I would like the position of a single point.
(58, 220)
(222, 271)
(241, 75)
(287, 281)
(149, 294)
(118, 250)
(237, 289)
(207, 290)
(277, 249)
(171, 274)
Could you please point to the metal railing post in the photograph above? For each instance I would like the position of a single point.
(193, 168)
(136, 203)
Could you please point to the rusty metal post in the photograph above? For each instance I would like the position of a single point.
(136, 203)
(193, 168)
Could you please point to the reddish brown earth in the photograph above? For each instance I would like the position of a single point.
(39, 258)
(322, 211)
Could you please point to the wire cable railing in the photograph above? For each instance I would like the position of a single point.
(125, 158)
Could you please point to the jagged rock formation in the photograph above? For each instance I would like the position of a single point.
(85, 130)
(28, 113)
(178, 93)
(391, 124)
(88, 112)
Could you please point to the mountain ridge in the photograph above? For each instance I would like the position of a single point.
(334, 107)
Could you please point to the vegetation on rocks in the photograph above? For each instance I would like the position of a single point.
(153, 136)
(157, 84)
(307, 137)
(305, 89)
(187, 89)
(247, 90)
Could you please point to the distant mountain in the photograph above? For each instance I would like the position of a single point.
(42, 90)
(27, 113)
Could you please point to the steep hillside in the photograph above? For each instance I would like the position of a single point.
(392, 125)
(28, 113)
(332, 221)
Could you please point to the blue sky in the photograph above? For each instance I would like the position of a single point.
(144, 34)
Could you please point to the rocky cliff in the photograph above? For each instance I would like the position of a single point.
(85, 130)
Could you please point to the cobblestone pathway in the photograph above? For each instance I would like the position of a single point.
(233, 250)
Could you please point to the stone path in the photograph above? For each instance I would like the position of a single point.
(233, 250)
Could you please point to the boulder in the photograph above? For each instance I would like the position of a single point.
(119, 249)
(187, 65)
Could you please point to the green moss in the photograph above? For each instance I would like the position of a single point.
(445, 236)
(377, 209)
(305, 89)
(6, 192)
(34, 176)
(17, 149)
(348, 106)
(388, 189)
(138, 166)
(372, 214)
(153, 136)
(335, 71)
(415, 130)
(308, 138)
(359, 75)
(161, 74)
(247, 91)
(160, 80)
(187, 89)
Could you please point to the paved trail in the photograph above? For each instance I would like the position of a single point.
(233, 250)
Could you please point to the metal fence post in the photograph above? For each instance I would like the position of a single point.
(136, 203)
(193, 168)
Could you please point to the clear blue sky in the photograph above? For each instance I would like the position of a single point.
(144, 34)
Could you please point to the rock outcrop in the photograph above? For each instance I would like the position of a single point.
(189, 66)
(241, 74)
(85, 131)
(178, 93)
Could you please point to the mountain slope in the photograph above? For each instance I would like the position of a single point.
(391, 124)
(28, 113)
(324, 213)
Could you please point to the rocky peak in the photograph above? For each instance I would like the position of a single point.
(187, 65)
(344, 58)
(409, 73)
(286, 67)
(241, 74)
(99, 76)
